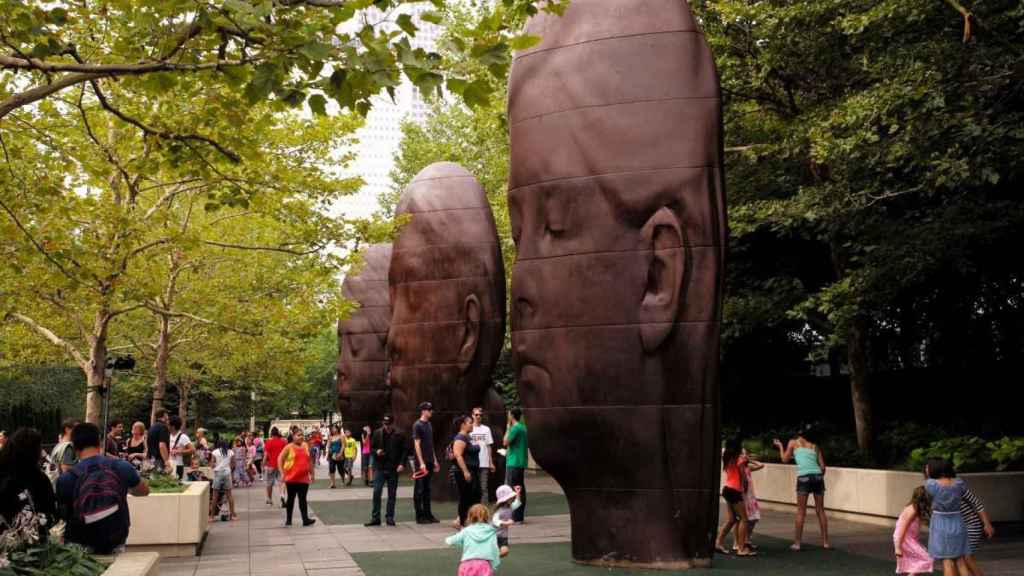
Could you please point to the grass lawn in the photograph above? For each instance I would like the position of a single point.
(536, 559)
(358, 511)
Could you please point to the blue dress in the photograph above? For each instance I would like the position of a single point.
(947, 534)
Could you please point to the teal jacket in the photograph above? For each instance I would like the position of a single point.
(479, 542)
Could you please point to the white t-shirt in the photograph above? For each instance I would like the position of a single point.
(482, 437)
(222, 461)
(179, 440)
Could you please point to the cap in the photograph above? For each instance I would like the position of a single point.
(387, 419)
(504, 493)
(426, 406)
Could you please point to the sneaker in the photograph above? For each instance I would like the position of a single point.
(390, 522)
(283, 503)
(372, 523)
(270, 502)
(423, 521)
(433, 520)
(309, 522)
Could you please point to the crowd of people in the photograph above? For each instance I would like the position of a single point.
(955, 516)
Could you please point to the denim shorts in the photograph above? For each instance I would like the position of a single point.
(221, 481)
(811, 484)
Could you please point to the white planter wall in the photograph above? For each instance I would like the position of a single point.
(172, 524)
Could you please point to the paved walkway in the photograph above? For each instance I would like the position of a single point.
(259, 544)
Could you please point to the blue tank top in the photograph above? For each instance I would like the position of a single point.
(806, 461)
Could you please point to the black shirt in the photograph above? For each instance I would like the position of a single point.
(394, 446)
(158, 433)
(424, 432)
(39, 488)
(471, 454)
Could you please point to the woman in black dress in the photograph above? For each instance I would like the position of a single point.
(22, 481)
(466, 466)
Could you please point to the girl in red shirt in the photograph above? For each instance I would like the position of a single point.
(733, 464)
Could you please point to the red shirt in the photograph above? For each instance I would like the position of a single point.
(273, 448)
(732, 474)
(297, 464)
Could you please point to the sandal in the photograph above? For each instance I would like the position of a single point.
(721, 549)
(746, 553)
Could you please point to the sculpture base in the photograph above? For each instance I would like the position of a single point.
(667, 566)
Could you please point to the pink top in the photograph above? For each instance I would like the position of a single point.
(915, 558)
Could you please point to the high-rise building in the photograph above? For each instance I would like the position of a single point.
(380, 137)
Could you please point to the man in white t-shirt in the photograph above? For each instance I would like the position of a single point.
(181, 445)
(482, 437)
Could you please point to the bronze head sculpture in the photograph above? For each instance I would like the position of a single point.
(447, 285)
(363, 395)
(617, 207)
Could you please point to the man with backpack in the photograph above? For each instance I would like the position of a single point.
(93, 495)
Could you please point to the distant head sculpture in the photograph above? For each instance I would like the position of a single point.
(448, 299)
(617, 207)
(363, 395)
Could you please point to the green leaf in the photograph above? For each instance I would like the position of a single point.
(315, 51)
(477, 93)
(404, 22)
(523, 41)
(318, 104)
(432, 16)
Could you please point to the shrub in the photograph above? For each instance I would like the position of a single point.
(967, 453)
(1008, 453)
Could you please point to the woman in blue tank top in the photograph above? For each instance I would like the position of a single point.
(810, 479)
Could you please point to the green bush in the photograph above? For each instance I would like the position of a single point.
(967, 453)
(1008, 453)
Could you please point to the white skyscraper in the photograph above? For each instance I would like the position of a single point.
(380, 137)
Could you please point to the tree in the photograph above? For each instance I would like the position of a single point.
(112, 215)
(293, 51)
(873, 150)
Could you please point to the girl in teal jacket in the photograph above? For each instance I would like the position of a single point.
(479, 541)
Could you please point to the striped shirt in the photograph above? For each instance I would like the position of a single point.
(971, 509)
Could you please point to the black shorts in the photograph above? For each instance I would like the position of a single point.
(811, 484)
(732, 496)
(334, 466)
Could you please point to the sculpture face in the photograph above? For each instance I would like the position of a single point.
(617, 210)
(363, 394)
(448, 296)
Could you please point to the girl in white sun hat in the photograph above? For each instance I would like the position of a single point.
(507, 502)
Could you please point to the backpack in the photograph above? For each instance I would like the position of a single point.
(100, 510)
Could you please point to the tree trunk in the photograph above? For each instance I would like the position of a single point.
(95, 375)
(163, 355)
(859, 384)
(183, 386)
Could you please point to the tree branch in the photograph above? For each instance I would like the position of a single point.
(46, 333)
(201, 320)
(39, 247)
(263, 248)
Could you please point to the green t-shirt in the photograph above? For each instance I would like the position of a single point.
(516, 457)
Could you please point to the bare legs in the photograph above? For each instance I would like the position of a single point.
(737, 519)
(215, 503)
(801, 515)
(972, 566)
(955, 567)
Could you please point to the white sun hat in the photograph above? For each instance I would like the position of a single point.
(505, 493)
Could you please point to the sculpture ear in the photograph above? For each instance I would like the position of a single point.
(664, 290)
(471, 332)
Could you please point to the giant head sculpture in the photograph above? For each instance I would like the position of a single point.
(617, 209)
(448, 298)
(363, 396)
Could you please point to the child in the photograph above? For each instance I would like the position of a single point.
(750, 500)
(947, 534)
(223, 464)
(241, 464)
(508, 502)
(911, 556)
(978, 525)
(733, 462)
(480, 555)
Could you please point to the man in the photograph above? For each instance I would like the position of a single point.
(62, 458)
(483, 438)
(351, 451)
(423, 443)
(93, 495)
(181, 447)
(390, 451)
(516, 458)
(158, 441)
(115, 431)
(272, 449)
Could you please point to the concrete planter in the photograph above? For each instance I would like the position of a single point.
(172, 524)
(134, 564)
(882, 494)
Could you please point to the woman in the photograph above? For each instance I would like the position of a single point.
(296, 464)
(810, 470)
(734, 464)
(366, 464)
(20, 473)
(335, 455)
(467, 464)
(136, 448)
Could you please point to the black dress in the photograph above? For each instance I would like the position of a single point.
(40, 496)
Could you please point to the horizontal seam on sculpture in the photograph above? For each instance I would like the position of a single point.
(420, 249)
(445, 210)
(398, 283)
(579, 326)
(612, 252)
(621, 173)
(443, 322)
(593, 40)
(609, 104)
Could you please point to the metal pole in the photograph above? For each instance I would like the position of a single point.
(105, 391)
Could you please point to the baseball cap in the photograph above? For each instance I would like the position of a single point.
(387, 419)
(426, 406)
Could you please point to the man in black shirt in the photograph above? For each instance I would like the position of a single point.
(159, 441)
(426, 464)
(390, 453)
